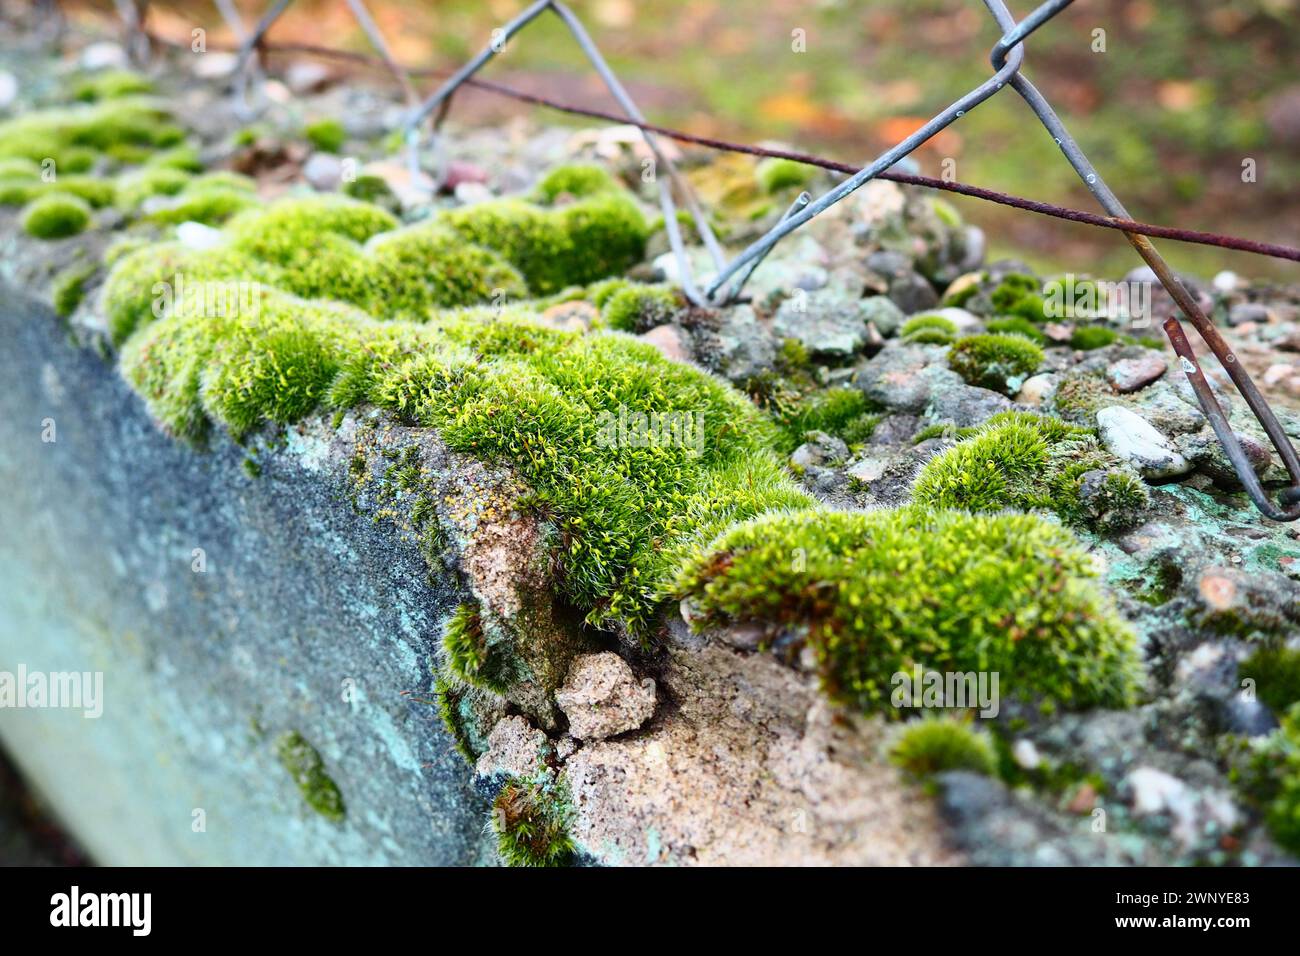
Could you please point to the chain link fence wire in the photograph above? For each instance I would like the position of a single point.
(730, 275)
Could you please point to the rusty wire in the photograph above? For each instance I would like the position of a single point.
(1006, 57)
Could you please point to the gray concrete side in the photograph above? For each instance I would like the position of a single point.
(309, 616)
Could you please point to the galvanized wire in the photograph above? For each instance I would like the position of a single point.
(1007, 58)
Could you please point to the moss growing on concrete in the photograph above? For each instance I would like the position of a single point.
(56, 216)
(1020, 295)
(471, 656)
(1089, 337)
(327, 135)
(929, 330)
(1268, 776)
(110, 85)
(997, 362)
(1276, 672)
(638, 308)
(307, 769)
(875, 593)
(72, 137)
(1025, 461)
(531, 823)
(1017, 325)
(577, 180)
(68, 288)
(134, 188)
(936, 745)
(776, 175)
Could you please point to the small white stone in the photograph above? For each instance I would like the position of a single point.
(8, 89)
(1226, 281)
(1036, 389)
(195, 235)
(1132, 438)
(104, 55)
(1155, 791)
(1026, 754)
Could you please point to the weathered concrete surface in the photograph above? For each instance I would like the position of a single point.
(310, 617)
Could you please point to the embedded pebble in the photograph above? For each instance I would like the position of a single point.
(1130, 437)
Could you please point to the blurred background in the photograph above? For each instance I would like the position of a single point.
(1182, 94)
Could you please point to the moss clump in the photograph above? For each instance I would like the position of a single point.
(111, 85)
(307, 768)
(876, 593)
(929, 330)
(531, 823)
(1019, 295)
(134, 188)
(469, 654)
(185, 158)
(1079, 396)
(1089, 337)
(574, 244)
(327, 135)
(19, 192)
(1017, 325)
(19, 168)
(937, 745)
(56, 216)
(210, 205)
(497, 386)
(639, 308)
(69, 288)
(1269, 777)
(73, 137)
(1024, 461)
(845, 413)
(375, 190)
(1276, 672)
(577, 180)
(997, 362)
(776, 175)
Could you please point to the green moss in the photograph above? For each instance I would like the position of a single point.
(1019, 295)
(1276, 672)
(56, 216)
(937, 745)
(639, 308)
(1025, 461)
(134, 188)
(1089, 337)
(843, 412)
(373, 189)
(876, 593)
(531, 823)
(1078, 397)
(577, 180)
(1269, 778)
(210, 205)
(73, 136)
(327, 135)
(111, 85)
(185, 158)
(776, 175)
(575, 244)
(69, 288)
(19, 168)
(997, 362)
(929, 330)
(471, 656)
(455, 708)
(20, 191)
(307, 768)
(1017, 325)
